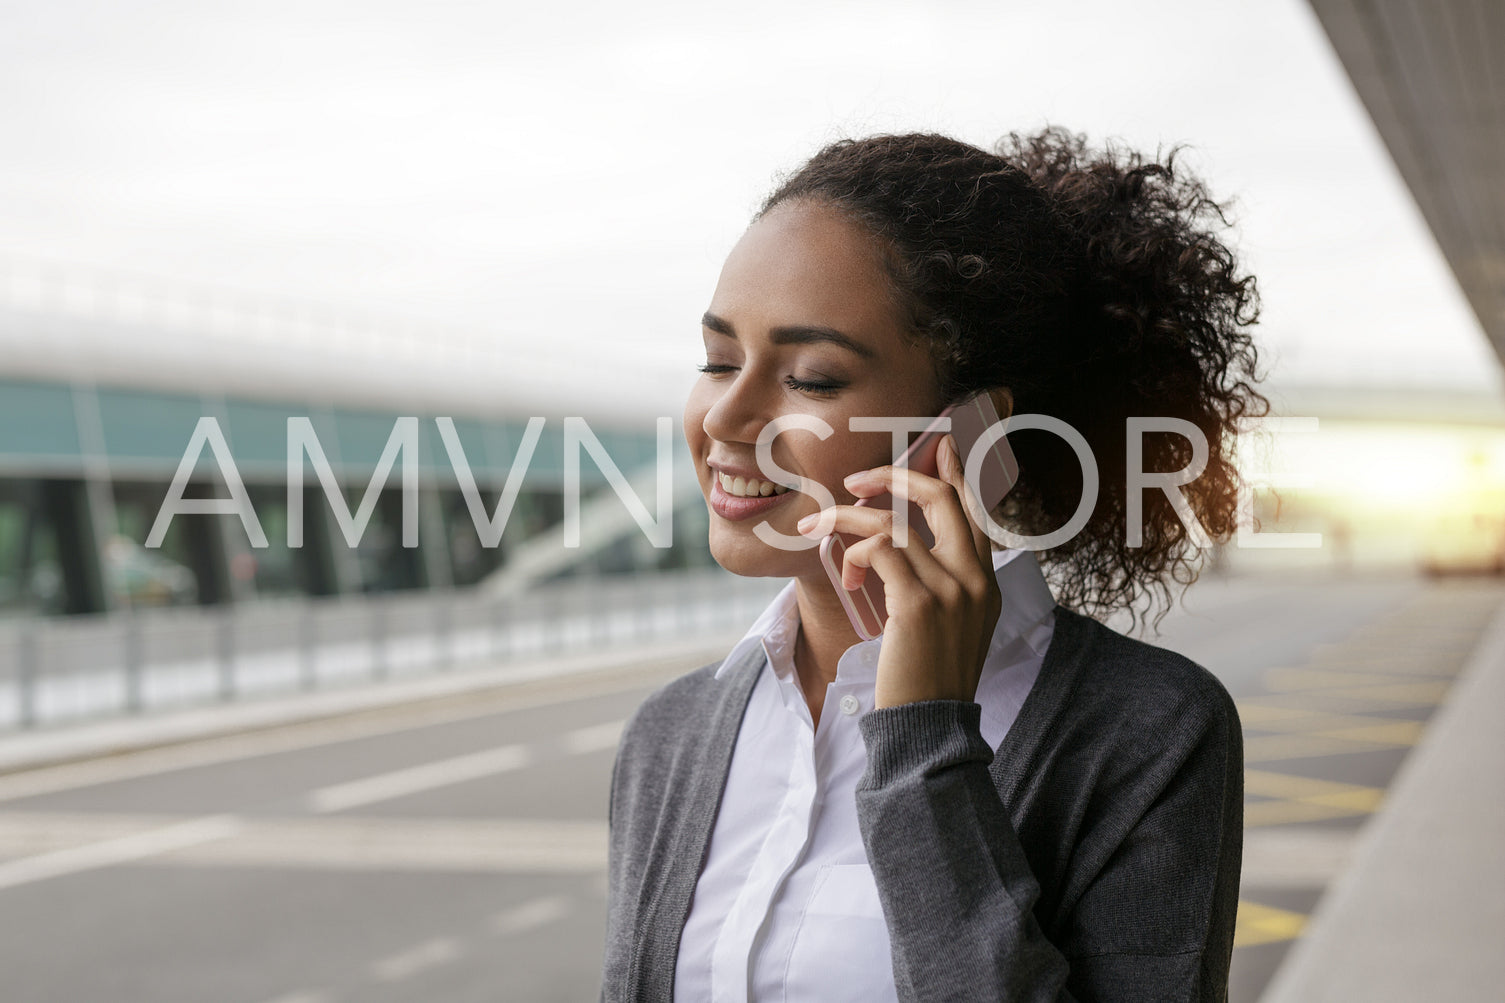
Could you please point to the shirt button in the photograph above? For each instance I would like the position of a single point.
(850, 705)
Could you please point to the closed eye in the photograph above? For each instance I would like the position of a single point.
(819, 388)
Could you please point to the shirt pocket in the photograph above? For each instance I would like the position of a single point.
(841, 949)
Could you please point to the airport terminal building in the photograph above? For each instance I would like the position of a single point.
(90, 443)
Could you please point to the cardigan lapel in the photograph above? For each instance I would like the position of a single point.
(701, 775)
(1014, 759)
(1021, 767)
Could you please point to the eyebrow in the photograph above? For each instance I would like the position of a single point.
(794, 334)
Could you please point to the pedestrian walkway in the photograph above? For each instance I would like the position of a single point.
(1324, 738)
(1420, 912)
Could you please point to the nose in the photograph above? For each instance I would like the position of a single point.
(741, 410)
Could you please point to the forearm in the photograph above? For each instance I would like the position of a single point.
(957, 890)
(1154, 914)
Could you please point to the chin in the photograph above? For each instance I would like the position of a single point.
(742, 553)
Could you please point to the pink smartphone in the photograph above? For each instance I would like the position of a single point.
(969, 419)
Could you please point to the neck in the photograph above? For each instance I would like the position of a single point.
(825, 634)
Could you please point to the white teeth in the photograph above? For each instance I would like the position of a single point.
(744, 487)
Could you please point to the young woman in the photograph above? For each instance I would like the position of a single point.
(999, 798)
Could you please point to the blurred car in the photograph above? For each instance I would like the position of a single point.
(41, 591)
(1465, 542)
(146, 578)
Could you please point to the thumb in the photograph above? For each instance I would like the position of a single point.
(947, 461)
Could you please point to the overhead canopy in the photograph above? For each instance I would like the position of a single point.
(1430, 75)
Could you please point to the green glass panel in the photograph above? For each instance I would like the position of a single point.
(363, 438)
(473, 444)
(145, 431)
(36, 419)
(258, 431)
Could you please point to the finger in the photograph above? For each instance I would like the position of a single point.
(950, 463)
(902, 569)
(870, 525)
(953, 469)
(858, 520)
(955, 544)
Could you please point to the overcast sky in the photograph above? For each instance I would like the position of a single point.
(568, 180)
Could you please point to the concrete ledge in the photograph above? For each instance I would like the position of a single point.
(1420, 913)
(24, 750)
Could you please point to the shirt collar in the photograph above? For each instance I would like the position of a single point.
(774, 626)
(1027, 600)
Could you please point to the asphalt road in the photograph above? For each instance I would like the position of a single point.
(454, 850)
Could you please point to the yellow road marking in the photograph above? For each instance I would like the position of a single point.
(1269, 748)
(1320, 723)
(1287, 678)
(1424, 693)
(1337, 701)
(1289, 785)
(1388, 732)
(1262, 924)
(1303, 799)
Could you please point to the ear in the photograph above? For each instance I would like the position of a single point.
(1003, 401)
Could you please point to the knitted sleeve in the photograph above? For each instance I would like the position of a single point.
(1154, 918)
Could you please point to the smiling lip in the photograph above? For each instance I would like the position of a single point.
(730, 506)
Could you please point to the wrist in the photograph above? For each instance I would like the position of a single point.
(917, 738)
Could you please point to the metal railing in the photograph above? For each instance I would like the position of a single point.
(54, 671)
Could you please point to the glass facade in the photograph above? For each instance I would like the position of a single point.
(31, 577)
(48, 559)
(84, 472)
(280, 570)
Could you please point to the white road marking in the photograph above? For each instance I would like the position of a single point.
(304, 996)
(122, 849)
(415, 779)
(429, 954)
(395, 844)
(27, 834)
(458, 769)
(530, 915)
(332, 843)
(594, 738)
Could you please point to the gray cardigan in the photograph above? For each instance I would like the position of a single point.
(1094, 856)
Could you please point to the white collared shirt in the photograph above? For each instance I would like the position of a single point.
(786, 907)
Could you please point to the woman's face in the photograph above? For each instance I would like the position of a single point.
(800, 324)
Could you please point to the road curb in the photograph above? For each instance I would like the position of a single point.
(57, 745)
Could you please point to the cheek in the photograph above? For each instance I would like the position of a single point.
(832, 460)
(841, 455)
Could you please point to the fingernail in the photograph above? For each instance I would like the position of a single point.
(854, 478)
(807, 521)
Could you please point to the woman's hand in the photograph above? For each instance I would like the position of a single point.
(943, 602)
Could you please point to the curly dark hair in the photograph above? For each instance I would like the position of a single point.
(1093, 285)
